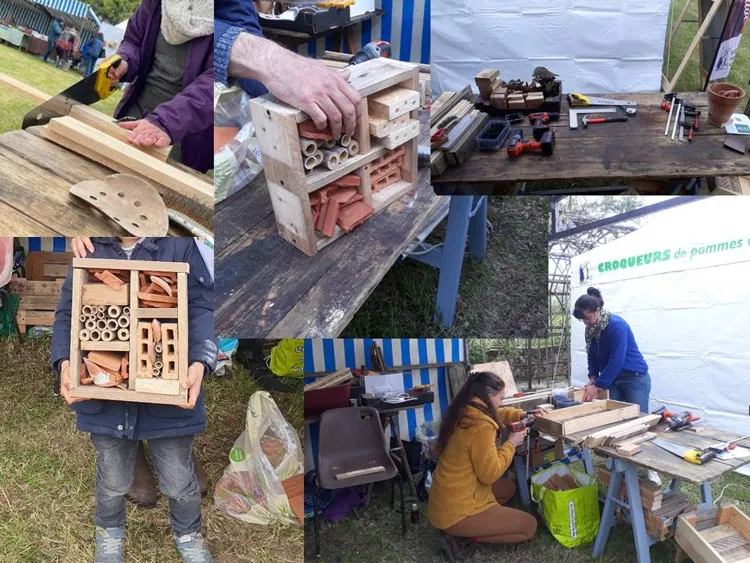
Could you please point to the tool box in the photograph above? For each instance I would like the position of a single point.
(494, 134)
(129, 331)
(309, 20)
(322, 189)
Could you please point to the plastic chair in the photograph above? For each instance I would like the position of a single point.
(352, 440)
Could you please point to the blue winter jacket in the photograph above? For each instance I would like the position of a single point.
(137, 421)
(230, 18)
(55, 32)
(614, 352)
(93, 48)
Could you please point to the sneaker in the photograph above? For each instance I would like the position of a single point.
(110, 545)
(193, 548)
(653, 476)
(457, 549)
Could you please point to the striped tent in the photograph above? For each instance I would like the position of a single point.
(405, 24)
(73, 12)
(49, 244)
(335, 354)
(38, 15)
(25, 12)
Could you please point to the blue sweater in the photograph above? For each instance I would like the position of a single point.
(614, 352)
(231, 17)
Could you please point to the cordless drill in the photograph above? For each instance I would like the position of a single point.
(373, 50)
(518, 145)
(545, 117)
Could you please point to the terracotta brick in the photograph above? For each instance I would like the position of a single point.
(350, 180)
(109, 279)
(344, 195)
(169, 351)
(315, 209)
(307, 129)
(357, 197)
(315, 198)
(354, 214)
(145, 347)
(108, 360)
(329, 219)
(322, 217)
(222, 136)
(383, 173)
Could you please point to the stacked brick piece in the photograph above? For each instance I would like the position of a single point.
(157, 350)
(339, 203)
(105, 369)
(386, 170)
(157, 289)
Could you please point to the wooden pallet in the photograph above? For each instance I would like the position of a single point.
(565, 422)
(37, 301)
(88, 291)
(719, 535)
(290, 187)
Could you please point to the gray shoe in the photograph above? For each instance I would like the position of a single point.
(110, 545)
(193, 548)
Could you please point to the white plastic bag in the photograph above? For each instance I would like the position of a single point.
(266, 453)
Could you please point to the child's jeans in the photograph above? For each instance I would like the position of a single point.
(173, 463)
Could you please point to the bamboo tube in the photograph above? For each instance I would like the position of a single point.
(345, 140)
(319, 158)
(353, 148)
(341, 152)
(123, 334)
(310, 162)
(108, 335)
(95, 335)
(101, 324)
(331, 160)
(101, 309)
(88, 310)
(90, 324)
(126, 310)
(112, 324)
(83, 335)
(156, 372)
(158, 347)
(114, 311)
(100, 314)
(124, 321)
(309, 146)
(329, 144)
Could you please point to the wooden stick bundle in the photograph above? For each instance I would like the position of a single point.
(332, 380)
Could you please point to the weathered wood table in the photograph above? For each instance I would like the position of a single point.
(632, 151)
(35, 179)
(651, 456)
(267, 288)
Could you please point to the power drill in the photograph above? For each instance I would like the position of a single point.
(546, 117)
(517, 145)
(676, 421)
(373, 50)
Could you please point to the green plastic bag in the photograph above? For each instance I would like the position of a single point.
(288, 358)
(572, 517)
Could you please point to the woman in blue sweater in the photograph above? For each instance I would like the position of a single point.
(615, 363)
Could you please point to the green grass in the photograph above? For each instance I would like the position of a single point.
(690, 81)
(47, 473)
(373, 535)
(505, 295)
(31, 70)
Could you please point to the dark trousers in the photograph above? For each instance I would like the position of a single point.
(173, 463)
(50, 48)
(632, 389)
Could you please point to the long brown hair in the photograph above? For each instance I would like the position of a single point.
(479, 385)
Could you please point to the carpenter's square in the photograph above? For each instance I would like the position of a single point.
(96, 86)
(693, 455)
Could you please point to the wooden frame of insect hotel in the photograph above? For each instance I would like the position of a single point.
(322, 188)
(129, 331)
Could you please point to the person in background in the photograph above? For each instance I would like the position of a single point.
(91, 51)
(614, 361)
(468, 491)
(143, 491)
(117, 427)
(168, 57)
(54, 33)
(304, 83)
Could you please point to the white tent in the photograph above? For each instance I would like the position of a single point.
(682, 283)
(597, 47)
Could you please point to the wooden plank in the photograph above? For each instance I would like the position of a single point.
(503, 371)
(105, 146)
(35, 318)
(38, 302)
(157, 386)
(145, 265)
(117, 394)
(718, 532)
(628, 449)
(55, 271)
(112, 346)
(156, 313)
(23, 89)
(393, 102)
(101, 294)
(134, 318)
(74, 373)
(321, 177)
(106, 124)
(597, 438)
(741, 522)
(564, 422)
(182, 333)
(24, 287)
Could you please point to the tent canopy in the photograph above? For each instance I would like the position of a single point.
(73, 12)
(680, 282)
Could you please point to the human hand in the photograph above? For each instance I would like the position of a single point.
(116, 73)
(193, 383)
(309, 85)
(590, 392)
(143, 133)
(517, 438)
(540, 412)
(65, 383)
(82, 247)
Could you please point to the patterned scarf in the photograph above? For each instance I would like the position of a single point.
(183, 20)
(595, 332)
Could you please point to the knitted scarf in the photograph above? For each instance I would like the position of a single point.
(183, 20)
(595, 332)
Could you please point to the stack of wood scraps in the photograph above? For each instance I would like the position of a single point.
(564, 482)
(332, 380)
(623, 436)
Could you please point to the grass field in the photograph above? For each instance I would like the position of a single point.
(373, 535)
(689, 81)
(504, 295)
(47, 474)
(42, 76)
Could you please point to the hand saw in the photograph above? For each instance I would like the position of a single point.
(94, 87)
(580, 100)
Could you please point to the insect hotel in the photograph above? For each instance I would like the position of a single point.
(129, 331)
(321, 188)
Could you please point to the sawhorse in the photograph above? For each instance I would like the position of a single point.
(467, 218)
(629, 472)
(522, 476)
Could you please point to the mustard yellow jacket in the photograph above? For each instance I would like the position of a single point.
(470, 464)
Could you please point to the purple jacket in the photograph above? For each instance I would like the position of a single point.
(189, 116)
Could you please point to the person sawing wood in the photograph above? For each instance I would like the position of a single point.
(468, 490)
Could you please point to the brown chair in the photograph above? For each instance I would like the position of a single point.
(352, 451)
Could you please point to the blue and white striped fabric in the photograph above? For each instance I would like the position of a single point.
(30, 15)
(405, 24)
(39, 16)
(50, 244)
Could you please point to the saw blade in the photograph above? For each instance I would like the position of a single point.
(670, 447)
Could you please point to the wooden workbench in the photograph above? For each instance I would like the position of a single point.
(267, 288)
(35, 179)
(635, 150)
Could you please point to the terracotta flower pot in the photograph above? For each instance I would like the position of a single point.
(723, 99)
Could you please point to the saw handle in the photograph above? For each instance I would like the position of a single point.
(103, 85)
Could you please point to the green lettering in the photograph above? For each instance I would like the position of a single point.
(723, 246)
(639, 261)
(667, 255)
(657, 256)
(623, 263)
(631, 261)
(608, 267)
(647, 257)
(601, 267)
